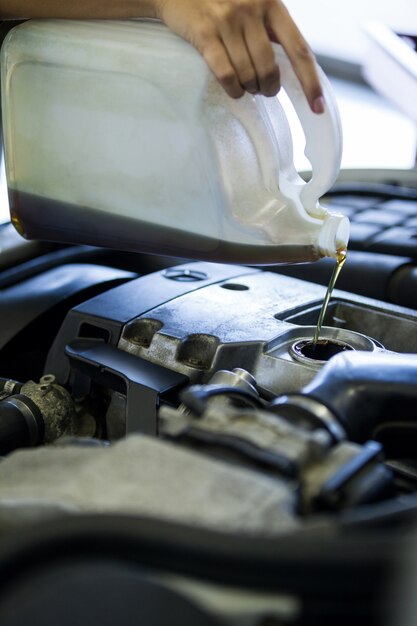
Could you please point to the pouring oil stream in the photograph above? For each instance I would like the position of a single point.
(340, 261)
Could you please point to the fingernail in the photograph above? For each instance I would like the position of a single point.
(318, 105)
(251, 88)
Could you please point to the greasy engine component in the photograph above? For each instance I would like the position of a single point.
(329, 475)
(145, 340)
(143, 384)
(39, 413)
(55, 405)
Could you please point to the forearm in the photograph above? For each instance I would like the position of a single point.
(77, 9)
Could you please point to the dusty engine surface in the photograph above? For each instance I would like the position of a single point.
(210, 358)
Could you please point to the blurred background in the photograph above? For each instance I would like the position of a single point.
(377, 134)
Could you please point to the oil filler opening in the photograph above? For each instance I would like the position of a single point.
(322, 350)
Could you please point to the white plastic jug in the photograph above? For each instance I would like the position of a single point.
(117, 134)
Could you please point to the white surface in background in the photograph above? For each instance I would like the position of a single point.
(335, 27)
(375, 134)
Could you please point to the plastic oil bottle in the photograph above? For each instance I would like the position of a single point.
(117, 135)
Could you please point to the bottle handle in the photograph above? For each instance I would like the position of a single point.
(323, 134)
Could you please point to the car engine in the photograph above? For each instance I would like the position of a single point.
(187, 407)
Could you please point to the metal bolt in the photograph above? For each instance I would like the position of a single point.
(46, 382)
(48, 379)
(244, 375)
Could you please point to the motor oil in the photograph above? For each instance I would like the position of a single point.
(340, 261)
(117, 135)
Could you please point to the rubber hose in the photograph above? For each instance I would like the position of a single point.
(21, 424)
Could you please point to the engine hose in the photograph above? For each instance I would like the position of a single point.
(363, 391)
(21, 424)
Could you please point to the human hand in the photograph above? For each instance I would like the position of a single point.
(234, 37)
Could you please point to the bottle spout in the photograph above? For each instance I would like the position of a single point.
(334, 235)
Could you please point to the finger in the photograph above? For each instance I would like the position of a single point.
(235, 45)
(217, 59)
(263, 58)
(299, 53)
